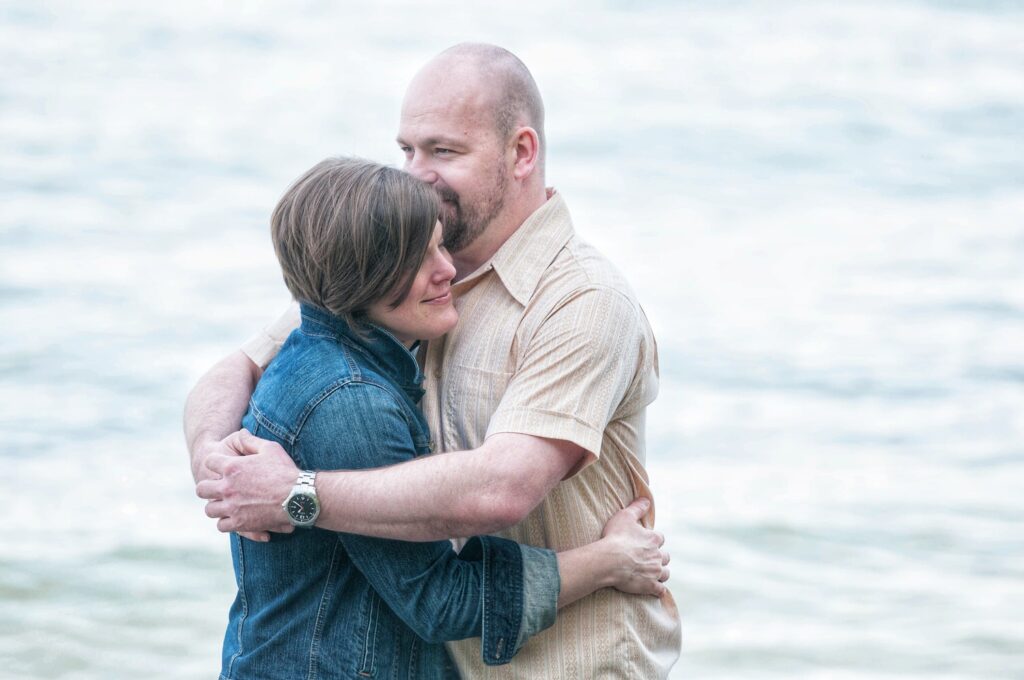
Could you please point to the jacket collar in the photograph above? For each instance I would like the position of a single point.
(393, 358)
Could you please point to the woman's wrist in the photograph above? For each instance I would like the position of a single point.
(583, 570)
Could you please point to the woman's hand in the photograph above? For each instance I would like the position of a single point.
(627, 557)
(636, 562)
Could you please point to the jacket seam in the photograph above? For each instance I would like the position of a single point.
(245, 605)
(318, 624)
(369, 657)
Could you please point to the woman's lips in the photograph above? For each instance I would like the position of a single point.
(440, 299)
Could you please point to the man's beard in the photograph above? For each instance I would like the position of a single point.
(464, 222)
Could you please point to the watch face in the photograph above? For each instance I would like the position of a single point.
(302, 508)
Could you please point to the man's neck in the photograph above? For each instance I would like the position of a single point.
(483, 248)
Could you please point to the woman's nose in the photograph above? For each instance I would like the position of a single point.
(445, 269)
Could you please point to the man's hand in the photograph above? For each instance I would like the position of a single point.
(201, 473)
(207, 449)
(246, 485)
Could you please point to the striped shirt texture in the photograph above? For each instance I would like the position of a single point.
(552, 342)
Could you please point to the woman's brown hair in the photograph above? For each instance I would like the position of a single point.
(350, 233)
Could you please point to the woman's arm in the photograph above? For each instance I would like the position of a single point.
(627, 557)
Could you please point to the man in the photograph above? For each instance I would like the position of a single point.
(540, 391)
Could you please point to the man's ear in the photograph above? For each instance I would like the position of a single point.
(526, 149)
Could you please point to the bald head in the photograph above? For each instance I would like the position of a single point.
(472, 127)
(499, 79)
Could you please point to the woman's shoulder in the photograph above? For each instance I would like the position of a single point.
(301, 375)
(312, 373)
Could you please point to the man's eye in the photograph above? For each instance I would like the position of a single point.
(443, 152)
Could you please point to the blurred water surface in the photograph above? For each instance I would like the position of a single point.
(820, 205)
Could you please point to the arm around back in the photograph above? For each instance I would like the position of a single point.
(454, 494)
(215, 406)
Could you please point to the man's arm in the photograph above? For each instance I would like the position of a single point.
(539, 435)
(215, 407)
(454, 494)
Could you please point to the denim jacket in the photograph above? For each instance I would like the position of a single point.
(320, 604)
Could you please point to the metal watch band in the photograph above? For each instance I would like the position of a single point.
(307, 478)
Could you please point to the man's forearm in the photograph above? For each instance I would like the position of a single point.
(430, 498)
(216, 404)
(457, 494)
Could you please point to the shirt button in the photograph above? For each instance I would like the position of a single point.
(437, 373)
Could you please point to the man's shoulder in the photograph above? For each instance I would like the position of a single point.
(580, 267)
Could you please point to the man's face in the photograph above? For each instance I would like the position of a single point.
(450, 141)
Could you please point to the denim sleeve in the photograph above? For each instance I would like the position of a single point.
(519, 574)
(440, 595)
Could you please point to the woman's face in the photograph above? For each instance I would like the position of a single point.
(427, 311)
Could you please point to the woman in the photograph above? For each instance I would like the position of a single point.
(360, 248)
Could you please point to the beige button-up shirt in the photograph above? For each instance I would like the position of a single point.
(551, 342)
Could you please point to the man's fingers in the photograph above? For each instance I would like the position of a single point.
(660, 538)
(244, 443)
(665, 557)
(210, 489)
(259, 536)
(665, 573)
(248, 443)
(217, 463)
(216, 509)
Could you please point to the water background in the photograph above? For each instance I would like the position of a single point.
(821, 206)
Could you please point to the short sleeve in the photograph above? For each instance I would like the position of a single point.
(265, 345)
(575, 371)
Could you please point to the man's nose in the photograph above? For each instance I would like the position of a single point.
(419, 167)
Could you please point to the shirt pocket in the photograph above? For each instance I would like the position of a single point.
(472, 395)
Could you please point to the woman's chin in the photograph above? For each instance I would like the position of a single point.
(440, 327)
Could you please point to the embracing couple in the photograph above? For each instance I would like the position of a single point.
(508, 344)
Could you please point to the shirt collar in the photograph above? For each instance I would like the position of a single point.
(523, 258)
(383, 348)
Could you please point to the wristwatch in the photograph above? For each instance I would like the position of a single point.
(302, 505)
